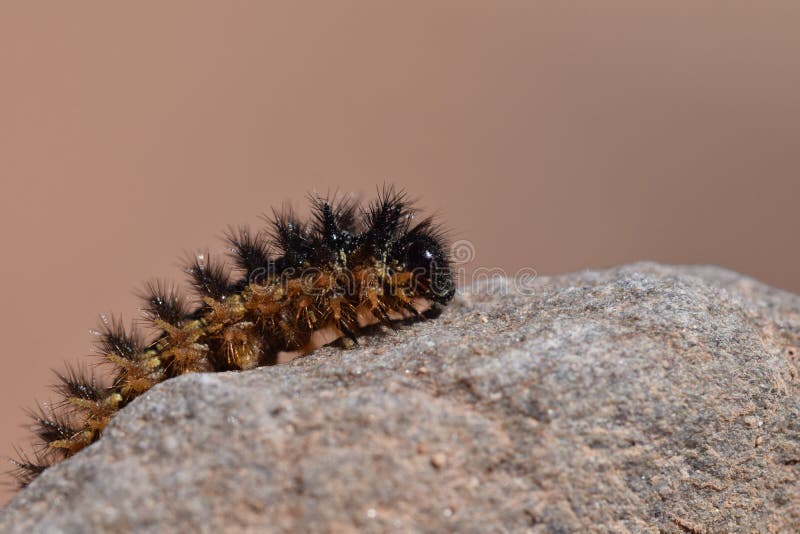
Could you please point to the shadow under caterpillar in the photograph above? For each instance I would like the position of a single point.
(348, 266)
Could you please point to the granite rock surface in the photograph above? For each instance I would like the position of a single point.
(643, 398)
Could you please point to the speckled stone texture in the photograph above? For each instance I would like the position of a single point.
(644, 398)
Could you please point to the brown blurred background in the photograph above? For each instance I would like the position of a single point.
(553, 135)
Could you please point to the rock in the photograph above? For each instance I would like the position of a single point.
(643, 398)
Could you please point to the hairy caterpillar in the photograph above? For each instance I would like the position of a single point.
(346, 267)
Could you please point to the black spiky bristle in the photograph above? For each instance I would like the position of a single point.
(78, 383)
(26, 469)
(209, 277)
(163, 302)
(250, 252)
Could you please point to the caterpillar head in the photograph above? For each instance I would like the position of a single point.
(423, 253)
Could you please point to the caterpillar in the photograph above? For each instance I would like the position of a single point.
(345, 268)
